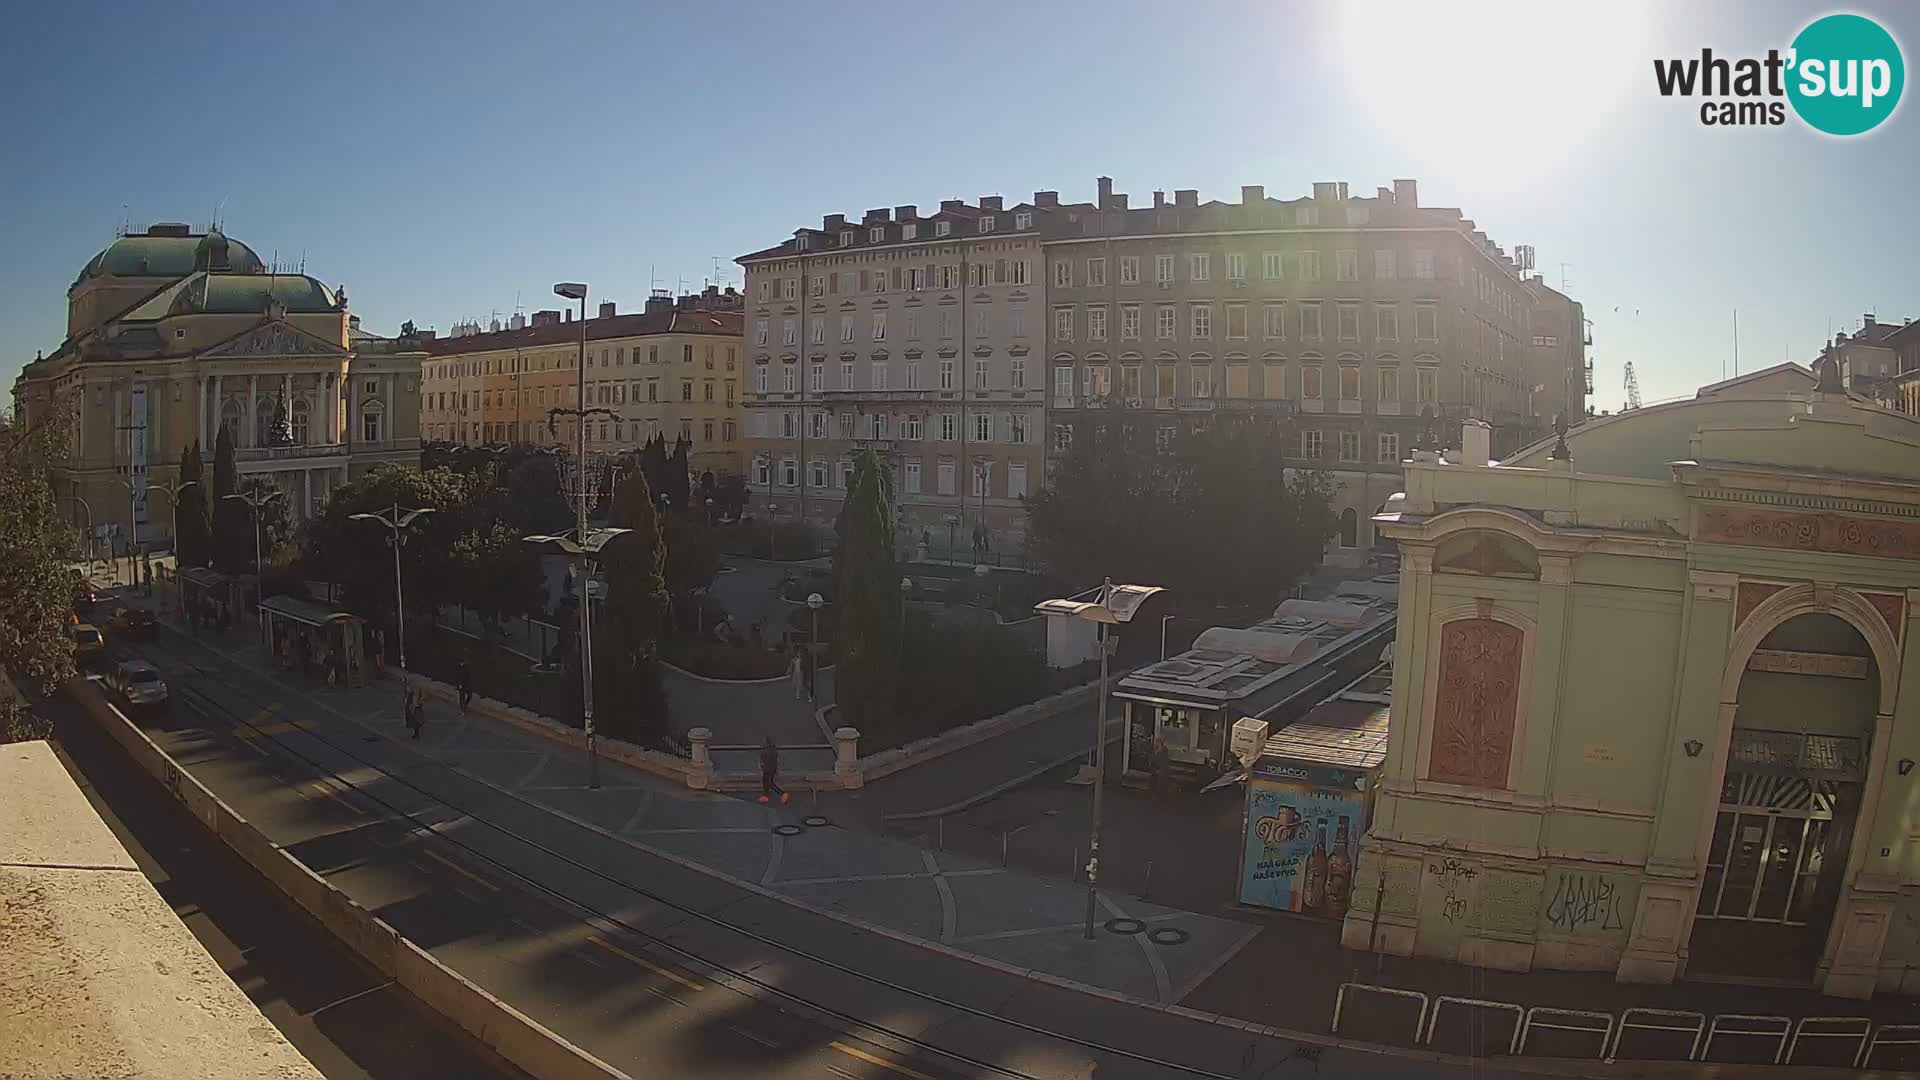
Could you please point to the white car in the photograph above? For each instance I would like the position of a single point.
(139, 683)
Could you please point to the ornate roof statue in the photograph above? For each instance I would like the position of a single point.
(1560, 451)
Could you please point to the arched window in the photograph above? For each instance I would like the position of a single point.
(262, 422)
(1349, 528)
(299, 420)
(231, 416)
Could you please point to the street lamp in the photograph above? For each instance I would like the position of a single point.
(256, 498)
(1115, 606)
(952, 521)
(173, 488)
(582, 552)
(90, 537)
(396, 524)
(814, 603)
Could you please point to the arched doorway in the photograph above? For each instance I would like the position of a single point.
(1349, 528)
(1788, 803)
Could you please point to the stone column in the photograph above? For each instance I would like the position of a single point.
(392, 428)
(251, 434)
(701, 774)
(346, 390)
(306, 494)
(213, 429)
(846, 757)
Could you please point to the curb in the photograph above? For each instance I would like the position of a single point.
(1114, 729)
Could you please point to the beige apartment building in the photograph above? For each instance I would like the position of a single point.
(1341, 319)
(920, 337)
(674, 370)
(173, 335)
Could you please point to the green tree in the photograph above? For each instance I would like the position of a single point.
(36, 586)
(534, 503)
(195, 532)
(496, 572)
(626, 667)
(232, 524)
(653, 462)
(678, 480)
(355, 554)
(1104, 511)
(275, 523)
(693, 555)
(867, 599)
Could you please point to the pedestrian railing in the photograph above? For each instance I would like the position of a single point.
(1568, 1020)
(1340, 1001)
(1519, 1017)
(1743, 1025)
(1902, 1035)
(1857, 1028)
(1680, 1021)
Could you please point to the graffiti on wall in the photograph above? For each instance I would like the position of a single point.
(1586, 902)
(1454, 880)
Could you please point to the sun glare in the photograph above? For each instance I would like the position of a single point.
(1501, 85)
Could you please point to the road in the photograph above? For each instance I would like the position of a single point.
(349, 1020)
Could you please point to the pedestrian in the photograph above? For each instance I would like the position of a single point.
(769, 771)
(794, 672)
(466, 684)
(1162, 765)
(415, 710)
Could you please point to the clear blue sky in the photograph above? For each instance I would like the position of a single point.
(439, 159)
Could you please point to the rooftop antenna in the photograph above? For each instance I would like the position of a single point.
(1736, 343)
(218, 210)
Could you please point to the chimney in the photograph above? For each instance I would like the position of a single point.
(566, 315)
(1105, 184)
(1047, 199)
(877, 217)
(606, 309)
(1186, 197)
(833, 222)
(989, 202)
(1383, 194)
(1406, 193)
(353, 322)
(660, 300)
(1343, 191)
(1159, 200)
(1866, 321)
(1252, 193)
(711, 290)
(1117, 201)
(1476, 442)
(546, 318)
(908, 212)
(1324, 191)
(949, 205)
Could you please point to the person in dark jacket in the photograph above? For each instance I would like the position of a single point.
(466, 685)
(769, 771)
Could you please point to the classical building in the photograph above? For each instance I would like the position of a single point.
(1339, 318)
(172, 335)
(921, 337)
(674, 369)
(1654, 710)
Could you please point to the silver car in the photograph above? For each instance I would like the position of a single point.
(139, 683)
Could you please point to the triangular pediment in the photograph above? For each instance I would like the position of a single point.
(273, 338)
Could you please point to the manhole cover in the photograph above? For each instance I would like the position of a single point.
(815, 821)
(1169, 935)
(787, 830)
(1125, 926)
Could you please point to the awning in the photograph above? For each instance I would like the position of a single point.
(305, 611)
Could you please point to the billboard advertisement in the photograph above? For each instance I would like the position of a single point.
(1303, 833)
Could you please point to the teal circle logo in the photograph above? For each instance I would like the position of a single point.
(1845, 74)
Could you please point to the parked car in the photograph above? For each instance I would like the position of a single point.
(138, 683)
(134, 623)
(88, 642)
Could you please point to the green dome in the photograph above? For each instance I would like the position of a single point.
(246, 294)
(172, 255)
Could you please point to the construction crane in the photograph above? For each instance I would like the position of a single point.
(1633, 388)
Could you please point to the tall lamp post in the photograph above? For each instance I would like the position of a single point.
(89, 510)
(1111, 607)
(255, 499)
(582, 552)
(396, 524)
(173, 488)
(814, 603)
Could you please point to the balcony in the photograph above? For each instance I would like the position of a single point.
(1350, 406)
(880, 446)
(1266, 406)
(297, 452)
(1195, 405)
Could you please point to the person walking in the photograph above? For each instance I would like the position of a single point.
(770, 771)
(1162, 765)
(795, 672)
(466, 684)
(415, 709)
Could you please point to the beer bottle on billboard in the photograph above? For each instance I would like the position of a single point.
(1339, 872)
(1315, 890)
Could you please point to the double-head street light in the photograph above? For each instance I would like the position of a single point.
(396, 522)
(582, 551)
(173, 488)
(814, 603)
(256, 498)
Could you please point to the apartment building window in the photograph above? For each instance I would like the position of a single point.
(846, 375)
(1309, 265)
(686, 389)
(789, 335)
(1386, 322)
(1236, 266)
(1096, 324)
(1423, 264)
(980, 373)
(1426, 322)
(789, 472)
(766, 290)
(1016, 479)
(816, 424)
(949, 274)
(912, 478)
(846, 424)
(913, 326)
(817, 473)
(817, 285)
(1096, 273)
(982, 427)
(1201, 322)
(879, 374)
(1236, 322)
(949, 322)
(789, 378)
(1310, 321)
(943, 228)
(846, 237)
(1202, 381)
(706, 391)
(949, 426)
(1346, 266)
(762, 471)
(1017, 428)
(878, 278)
(1276, 321)
(1163, 322)
(946, 477)
(1349, 446)
(1349, 315)
(1199, 266)
(913, 375)
(1270, 265)
(1095, 384)
(707, 355)
(789, 288)
(846, 328)
(1017, 373)
(1163, 269)
(1020, 272)
(986, 223)
(1130, 381)
(910, 230)
(982, 479)
(1021, 220)
(1307, 215)
(759, 382)
(910, 428)
(1130, 322)
(1063, 324)
(1062, 274)
(916, 278)
(1017, 320)
(1426, 384)
(979, 273)
(1349, 383)
(1129, 269)
(1389, 384)
(1383, 264)
(1063, 383)
(653, 351)
(982, 322)
(1163, 437)
(879, 326)
(1062, 438)
(759, 331)
(1389, 447)
(946, 375)
(1310, 375)
(730, 396)
(1310, 444)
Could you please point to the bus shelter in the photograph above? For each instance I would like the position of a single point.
(316, 639)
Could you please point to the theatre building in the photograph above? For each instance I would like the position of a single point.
(1651, 705)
